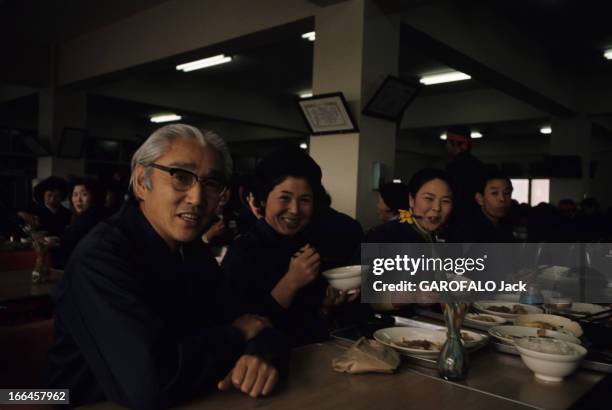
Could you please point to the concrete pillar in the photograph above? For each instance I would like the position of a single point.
(356, 47)
(571, 137)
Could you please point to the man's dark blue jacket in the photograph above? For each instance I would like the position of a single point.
(141, 325)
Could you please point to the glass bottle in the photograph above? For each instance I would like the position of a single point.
(453, 361)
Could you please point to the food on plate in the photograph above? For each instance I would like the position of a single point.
(516, 309)
(484, 318)
(466, 337)
(421, 344)
(540, 325)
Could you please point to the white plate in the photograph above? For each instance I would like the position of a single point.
(581, 309)
(473, 318)
(560, 322)
(484, 305)
(508, 334)
(392, 335)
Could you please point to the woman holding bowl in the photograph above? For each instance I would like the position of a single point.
(274, 269)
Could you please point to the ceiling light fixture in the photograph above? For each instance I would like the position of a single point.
(305, 95)
(203, 63)
(444, 78)
(303, 145)
(165, 118)
(608, 54)
(310, 36)
(546, 130)
(397, 181)
(475, 135)
(443, 136)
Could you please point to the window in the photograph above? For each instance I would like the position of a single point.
(540, 191)
(531, 191)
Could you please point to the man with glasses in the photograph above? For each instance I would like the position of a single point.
(140, 310)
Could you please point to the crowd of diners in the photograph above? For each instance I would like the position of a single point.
(146, 316)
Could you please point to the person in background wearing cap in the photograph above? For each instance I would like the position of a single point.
(274, 269)
(466, 170)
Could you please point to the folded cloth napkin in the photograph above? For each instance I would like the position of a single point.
(365, 356)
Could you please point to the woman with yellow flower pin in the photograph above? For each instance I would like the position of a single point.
(431, 202)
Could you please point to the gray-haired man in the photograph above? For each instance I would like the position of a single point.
(140, 311)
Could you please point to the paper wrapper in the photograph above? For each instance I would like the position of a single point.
(367, 356)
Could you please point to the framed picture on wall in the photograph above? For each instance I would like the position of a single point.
(327, 114)
(392, 98)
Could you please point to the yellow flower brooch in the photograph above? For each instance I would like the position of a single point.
(405, 217)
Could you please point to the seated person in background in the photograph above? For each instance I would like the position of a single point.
(274, 269)
(53, 217)
(139, 312)
(431, 201)
(88, 209)
(494, 197)
(392, 197)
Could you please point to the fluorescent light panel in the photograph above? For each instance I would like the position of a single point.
(203, 63)
(310, 36)
(608, 54)
(546, 130)
(165, 118)
(444, 78)
(305, 95)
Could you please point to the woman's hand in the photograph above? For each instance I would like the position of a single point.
(214, 231)
(304, 267)
(335, 297)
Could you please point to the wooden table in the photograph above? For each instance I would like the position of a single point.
(17, 285)
(496, 381)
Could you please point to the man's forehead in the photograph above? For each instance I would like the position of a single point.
(498, 183)
(201, 159)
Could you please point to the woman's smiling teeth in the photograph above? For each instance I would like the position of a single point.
(291, 221)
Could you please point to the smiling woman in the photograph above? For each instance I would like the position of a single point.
(274, 268)
(431, 203)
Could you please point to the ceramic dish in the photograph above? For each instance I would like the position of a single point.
(490, 307)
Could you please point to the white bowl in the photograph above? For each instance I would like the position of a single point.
(550, 367)
(344, 278)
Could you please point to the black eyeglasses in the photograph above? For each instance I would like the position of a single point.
(183, 180)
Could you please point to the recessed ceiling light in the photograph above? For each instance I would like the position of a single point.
(443, 136)
(165, 118)
(310, 36)
(303, 145)
(608, 54)
(203, 63)
(397, 181)
(305, 95)
(546, 130)
(448, 77)
(475, 135)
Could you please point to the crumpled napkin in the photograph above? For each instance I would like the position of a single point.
(366, 356)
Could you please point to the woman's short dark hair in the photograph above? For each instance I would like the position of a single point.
(424, 176)
(92, 186)
(285, 163)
